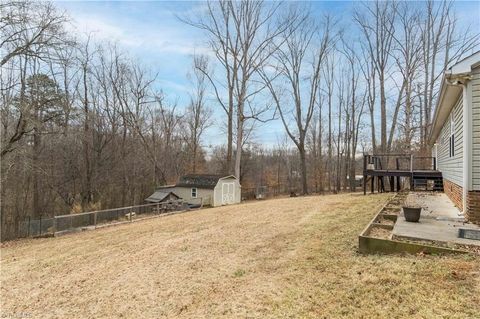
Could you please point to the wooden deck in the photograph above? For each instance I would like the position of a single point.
(392, 171)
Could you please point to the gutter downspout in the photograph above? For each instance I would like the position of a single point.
(462, 79)
(467, 143)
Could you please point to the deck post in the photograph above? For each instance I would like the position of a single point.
(364, 184)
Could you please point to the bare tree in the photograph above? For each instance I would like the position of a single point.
(354, 108)
(301, 57)
(442, 43)
(198, 114)
(85, 58)
(28, 32)
(328, 72)
(408, 61)
(243, 36)
(30, 29)
(369, 76)
(378, 27)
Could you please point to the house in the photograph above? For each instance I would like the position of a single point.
(162, 195)
(203, 189)
(455, 135)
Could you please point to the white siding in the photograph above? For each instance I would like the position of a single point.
(475, 87)
(204, 195)
(452, 166)
(217, 199)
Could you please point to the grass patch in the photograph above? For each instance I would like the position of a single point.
(239, 273)
(300, 255)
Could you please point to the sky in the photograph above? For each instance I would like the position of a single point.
(153, 34)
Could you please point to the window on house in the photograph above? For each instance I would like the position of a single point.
(194, 193)
(452, 137)
(452, 145)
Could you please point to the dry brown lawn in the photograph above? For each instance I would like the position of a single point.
(283, 258)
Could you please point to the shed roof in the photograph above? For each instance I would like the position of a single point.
(200, 180)
(159, 196)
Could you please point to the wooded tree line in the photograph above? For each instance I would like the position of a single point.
(328, 79)
(84, 125)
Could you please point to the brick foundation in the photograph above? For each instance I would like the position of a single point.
(454, 192)
(473, 207)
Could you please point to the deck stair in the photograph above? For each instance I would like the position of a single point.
(427, 180)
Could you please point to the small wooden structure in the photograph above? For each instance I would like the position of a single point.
(161, 196)
(205, 190)
(384, 171)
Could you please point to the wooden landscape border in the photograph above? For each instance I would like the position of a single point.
(373, 245)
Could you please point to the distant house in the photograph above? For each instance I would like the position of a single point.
(202, 189)
(455, 135)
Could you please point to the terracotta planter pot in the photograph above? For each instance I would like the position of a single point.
(412, 214)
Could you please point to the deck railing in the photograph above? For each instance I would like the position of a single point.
(399, 162)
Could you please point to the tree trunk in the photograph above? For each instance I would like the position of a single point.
(36, 187)
(87, 192)
(228, 167)
(238, 153)
(303, 167)
(383, 112)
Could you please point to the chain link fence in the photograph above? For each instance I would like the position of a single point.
(50, 226)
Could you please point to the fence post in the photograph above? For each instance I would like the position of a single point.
(411, 162)
(54, 226)
(95, 220)
(40, 225)
(28, 231)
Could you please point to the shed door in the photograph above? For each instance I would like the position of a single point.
(228, 193)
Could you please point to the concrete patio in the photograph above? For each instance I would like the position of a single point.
(440, 221)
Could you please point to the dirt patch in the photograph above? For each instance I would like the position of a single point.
(378, 232)
(384, 221)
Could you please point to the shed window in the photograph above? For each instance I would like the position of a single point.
(194, 193)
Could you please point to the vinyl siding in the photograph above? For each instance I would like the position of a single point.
(217, 199)
(185, 193)
(452, 166)
(475, 87)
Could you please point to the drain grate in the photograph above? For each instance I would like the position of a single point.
(469, 233)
